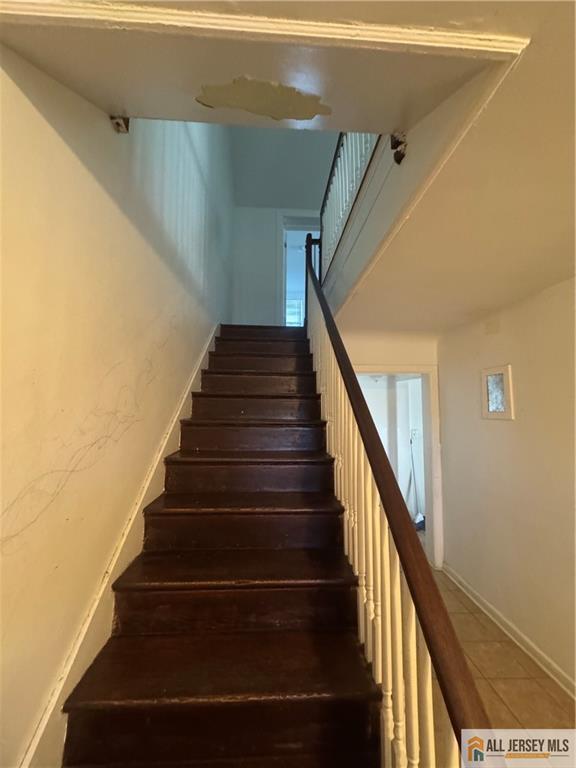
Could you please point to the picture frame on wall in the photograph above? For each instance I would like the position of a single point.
(497, 393)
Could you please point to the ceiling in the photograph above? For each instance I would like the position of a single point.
(154, 59)
(496, 225)
(281, 168)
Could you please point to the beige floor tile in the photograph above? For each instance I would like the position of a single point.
(533, 669)
(560, 696)
(499, 714)
(469, 629)
(453, 601)
(476, 674)
(496, 660)
(443, 582)
(492, 628)
(531, 704)
(470, 604)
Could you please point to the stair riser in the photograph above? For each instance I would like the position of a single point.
(208, 478)
(252, 438)
(260, 332)
(288, 409)
(246, 384)
(255, 346)
(364, 759)
(210, 610)
(231, 531)
(167, 734)
(286, 364)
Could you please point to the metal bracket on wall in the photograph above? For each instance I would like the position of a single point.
(398, 145)
(120, 124)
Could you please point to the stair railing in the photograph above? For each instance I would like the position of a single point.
(403, 623)
(351, 159)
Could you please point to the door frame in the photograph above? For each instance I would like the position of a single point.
(434, 534)
(293, 220)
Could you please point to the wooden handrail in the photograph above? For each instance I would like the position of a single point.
(463, 702)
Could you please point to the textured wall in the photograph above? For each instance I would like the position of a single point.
(115, 270)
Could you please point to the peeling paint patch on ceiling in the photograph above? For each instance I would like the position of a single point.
(261, 97)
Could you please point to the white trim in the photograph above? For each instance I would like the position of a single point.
(283, 216)
(406, 212)
(51, 710)
(434, 544)
(537, 655)
(353, 35)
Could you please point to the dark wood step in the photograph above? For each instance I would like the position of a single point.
(243, 471)
(243, 521)
(247, 503)
(259, 346)
(230, 530)
(201, 696)
(321, 759)
(249, 407)
(265, 362)
(235, 590)
(238, 734)
(258, 383)
(262, 332)
(198, 435)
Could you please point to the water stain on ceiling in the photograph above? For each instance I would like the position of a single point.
(262, 97)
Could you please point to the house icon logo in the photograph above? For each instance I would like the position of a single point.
(475, 749)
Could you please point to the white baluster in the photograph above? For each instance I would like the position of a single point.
(383, 622)
(360, 526)
(348, 466)
(398, 697)
(369, 561)
(409, 659)
(425, 703)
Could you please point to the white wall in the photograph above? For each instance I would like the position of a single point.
(395, 350)
(281, 168)
(258, 263)
(115, 270)
(390, 190)
(509, 485)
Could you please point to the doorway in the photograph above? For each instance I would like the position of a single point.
(400, 406)
(294, 244)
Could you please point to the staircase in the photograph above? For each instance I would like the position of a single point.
(234, 641)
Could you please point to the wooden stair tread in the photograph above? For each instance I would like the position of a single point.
(279, 423)
(225, 353)
(298, 760)
(183, 670)
(254, 372)
(256, 502)
(249, 457)
(234, 640)
(270, 396)
(236, 568)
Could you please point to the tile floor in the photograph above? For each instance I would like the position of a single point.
(515, 690)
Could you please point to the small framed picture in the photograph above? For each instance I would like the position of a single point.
(497, 399)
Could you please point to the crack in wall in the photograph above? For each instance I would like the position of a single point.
(105, 424)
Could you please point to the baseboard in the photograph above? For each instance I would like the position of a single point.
(537, 655)
(46, 746)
